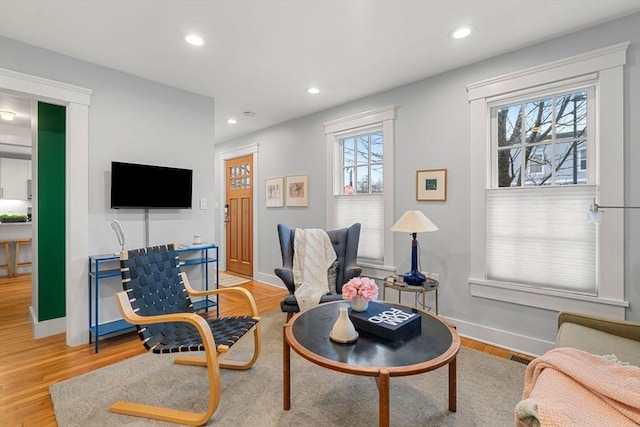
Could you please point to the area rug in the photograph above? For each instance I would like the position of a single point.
(488, 390)
(226, 280)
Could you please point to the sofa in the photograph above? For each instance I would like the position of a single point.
(600, 335)
(591, 377)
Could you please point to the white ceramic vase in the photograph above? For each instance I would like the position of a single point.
(343, 330)
(359, 304)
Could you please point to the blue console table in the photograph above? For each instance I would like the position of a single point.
(102, 267)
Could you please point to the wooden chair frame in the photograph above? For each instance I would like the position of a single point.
(212, 359)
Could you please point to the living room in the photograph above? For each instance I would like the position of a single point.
(135, 119)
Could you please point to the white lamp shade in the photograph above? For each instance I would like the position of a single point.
(414, 222)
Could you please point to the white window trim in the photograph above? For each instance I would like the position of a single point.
(606, 67)
(342, 127)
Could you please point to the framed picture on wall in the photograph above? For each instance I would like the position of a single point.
(431, 185)
(297, 189)
(274, 192)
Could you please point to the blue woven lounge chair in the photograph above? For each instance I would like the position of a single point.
(156, 298)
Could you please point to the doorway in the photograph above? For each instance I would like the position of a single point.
(76, 100)
(238, 215)
(16, 202)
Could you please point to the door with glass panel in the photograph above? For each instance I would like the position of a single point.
(239, 215)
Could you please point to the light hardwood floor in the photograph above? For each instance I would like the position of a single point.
(28, 366)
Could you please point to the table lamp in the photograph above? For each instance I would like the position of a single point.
(414, 222)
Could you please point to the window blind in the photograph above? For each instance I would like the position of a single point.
(368, 210)
(541, 237)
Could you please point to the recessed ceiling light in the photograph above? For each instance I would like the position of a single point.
(232, 121)
(461, 32)
(313, 90)
(7, 115)
(194, 40)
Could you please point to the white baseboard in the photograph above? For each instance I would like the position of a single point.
(48, 327)
(269, 279)
(503, 339)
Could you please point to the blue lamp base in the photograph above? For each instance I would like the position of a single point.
(414, 277)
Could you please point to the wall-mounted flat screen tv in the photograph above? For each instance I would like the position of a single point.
(135, 186)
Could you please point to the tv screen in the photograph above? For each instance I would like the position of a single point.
(135, 186)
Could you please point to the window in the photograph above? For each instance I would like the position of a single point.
(538, 162)
(360, 147)
(362, 163)
(535, 166)
(534, 216)
(582, 159)
(537, 140)
(360, 195)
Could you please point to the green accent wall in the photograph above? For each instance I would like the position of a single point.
(51, 211)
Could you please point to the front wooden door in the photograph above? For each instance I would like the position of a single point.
(239, 215)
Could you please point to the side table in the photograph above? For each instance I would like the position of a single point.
(400, 286)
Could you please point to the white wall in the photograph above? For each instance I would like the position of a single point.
(14, 207)
(432, 131)
(135, 120)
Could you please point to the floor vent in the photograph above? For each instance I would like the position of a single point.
(520, 359)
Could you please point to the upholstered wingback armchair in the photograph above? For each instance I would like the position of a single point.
(345, 243)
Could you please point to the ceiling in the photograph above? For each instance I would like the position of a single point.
(260, 56)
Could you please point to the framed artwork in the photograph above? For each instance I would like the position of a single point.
(431, 185)
(297, 189)
(274, 192)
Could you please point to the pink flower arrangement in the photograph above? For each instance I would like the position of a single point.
(362, 287)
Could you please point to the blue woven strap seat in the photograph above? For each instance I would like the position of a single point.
(177, 337)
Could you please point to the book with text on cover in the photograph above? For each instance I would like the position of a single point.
(386, 321)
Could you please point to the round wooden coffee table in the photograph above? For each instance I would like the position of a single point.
(307, 333)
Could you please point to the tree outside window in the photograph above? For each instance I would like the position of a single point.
(362, 164)
(542, 142)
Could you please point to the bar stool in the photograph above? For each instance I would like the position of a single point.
(4, 244)
(17, 264)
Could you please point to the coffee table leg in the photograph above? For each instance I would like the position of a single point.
(286, 371)
(383, 393)
(453, 393)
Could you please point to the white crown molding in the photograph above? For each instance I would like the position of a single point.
(361, 119)
(584, 63)
(44, 88)
(235, 152)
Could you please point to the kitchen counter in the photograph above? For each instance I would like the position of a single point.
(15, 230)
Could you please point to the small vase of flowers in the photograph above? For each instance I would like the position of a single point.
(359, 291)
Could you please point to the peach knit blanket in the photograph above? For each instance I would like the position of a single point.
(570, 387)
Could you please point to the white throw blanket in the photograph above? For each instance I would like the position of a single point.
(313, 254)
